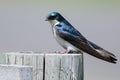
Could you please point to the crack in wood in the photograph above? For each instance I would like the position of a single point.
(44, 67)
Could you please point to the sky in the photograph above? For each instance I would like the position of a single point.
(23, 28)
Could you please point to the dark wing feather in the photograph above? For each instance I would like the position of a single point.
(88, 47)
(98, 48)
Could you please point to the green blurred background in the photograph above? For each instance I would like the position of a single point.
(23, 28)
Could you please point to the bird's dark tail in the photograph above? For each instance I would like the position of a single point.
(102, 53)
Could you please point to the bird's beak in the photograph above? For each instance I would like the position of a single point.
(46, 19)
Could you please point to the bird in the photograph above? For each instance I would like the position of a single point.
(73, 41)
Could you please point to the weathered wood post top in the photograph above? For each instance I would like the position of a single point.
(50, 66)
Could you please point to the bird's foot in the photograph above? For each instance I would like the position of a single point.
(66, 52)
(60, 52)
(57, 52)
(73, 52)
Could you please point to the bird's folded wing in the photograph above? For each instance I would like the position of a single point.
(88, 47)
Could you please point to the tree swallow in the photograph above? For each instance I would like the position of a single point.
(73, 41)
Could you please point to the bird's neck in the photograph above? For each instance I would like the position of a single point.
(54, 22)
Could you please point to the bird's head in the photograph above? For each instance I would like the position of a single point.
(54, 16)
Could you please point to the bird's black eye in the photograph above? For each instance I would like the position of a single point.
(51, 17)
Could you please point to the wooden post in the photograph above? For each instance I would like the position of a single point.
(50, 66)
(31, 59)
(15, 72)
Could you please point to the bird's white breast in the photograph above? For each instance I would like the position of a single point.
(64, 43)
(61, 41)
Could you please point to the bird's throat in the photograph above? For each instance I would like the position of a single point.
(54, 22)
